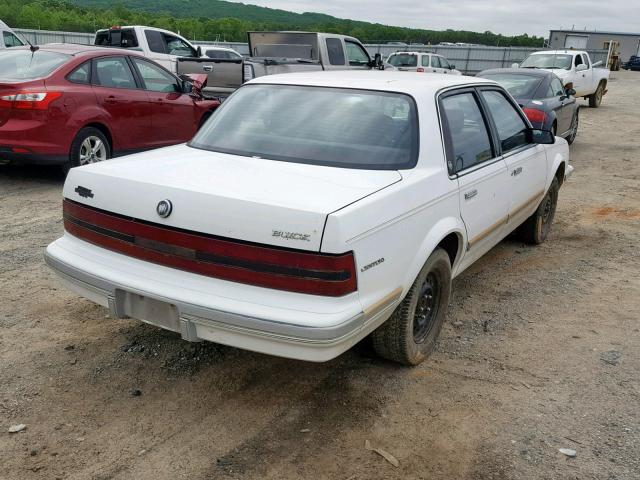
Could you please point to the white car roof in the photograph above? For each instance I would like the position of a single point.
(414, 84)
(414, 53)
(558, 52)
(214, 47)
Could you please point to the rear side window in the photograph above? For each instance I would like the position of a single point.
(10, 40)
(82, 74)
(466, 134)
(425, 60)
(113, 72)
(403, 60)
(512, 130)
(155, 41)
(335, 51)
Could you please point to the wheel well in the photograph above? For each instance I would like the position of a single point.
(560, 174)
(105, 131)
(451, 245)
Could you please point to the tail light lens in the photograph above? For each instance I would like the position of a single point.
(247, 72)
(420, 69)
(534, 115)
(29, 100)
(259, 265)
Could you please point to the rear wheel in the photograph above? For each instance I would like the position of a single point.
(574, 127)
(409, 335)
(536, 228)
(596, 99)
(89, 146)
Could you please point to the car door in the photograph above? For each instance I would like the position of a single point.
(126, 104)
(444, 64)
(174, 113)
(581, 78)
(473, 162)
(436, 64)
(562, 105)
(526, 162)
(426, 64)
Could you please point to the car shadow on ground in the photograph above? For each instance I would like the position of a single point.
(29, 173)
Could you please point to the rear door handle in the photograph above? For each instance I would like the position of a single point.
(516, 172)
(207, 68)
(469, 195)
(111, 99)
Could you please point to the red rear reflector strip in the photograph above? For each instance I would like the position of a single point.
(420, 70)
(295, 271)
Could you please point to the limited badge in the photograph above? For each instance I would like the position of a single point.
(164, 208)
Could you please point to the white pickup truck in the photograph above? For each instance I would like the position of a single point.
(312, 210)
(575, 69)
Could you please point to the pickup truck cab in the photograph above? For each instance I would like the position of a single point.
(312, 210)
(8, 37)
(286, 52)
(575, 69)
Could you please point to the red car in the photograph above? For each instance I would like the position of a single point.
(73, 104)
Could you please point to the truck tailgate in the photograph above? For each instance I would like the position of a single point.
(224, 75)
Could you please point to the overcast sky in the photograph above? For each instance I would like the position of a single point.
(508, 17)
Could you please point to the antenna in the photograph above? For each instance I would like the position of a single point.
(32, 47)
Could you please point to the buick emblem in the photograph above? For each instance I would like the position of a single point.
(164, 208)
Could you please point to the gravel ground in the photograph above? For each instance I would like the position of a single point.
(541, 352)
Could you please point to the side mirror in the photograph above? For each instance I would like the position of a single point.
(581, 68)
(452, 67)
(540, 137)
(199, 52)
(377, 62)
(515, 65)
(187, 87)
(570, 92)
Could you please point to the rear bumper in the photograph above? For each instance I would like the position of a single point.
(38, 141)
(318, 334)
(7, 155)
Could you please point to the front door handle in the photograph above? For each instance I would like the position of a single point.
(207, 68)
(111, 99)
(516, 172)
(470, 195)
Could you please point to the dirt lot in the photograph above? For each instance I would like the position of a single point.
(541, 352)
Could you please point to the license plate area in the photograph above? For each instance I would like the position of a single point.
(149, 310)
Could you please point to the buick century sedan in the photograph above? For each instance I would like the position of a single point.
(313, 210)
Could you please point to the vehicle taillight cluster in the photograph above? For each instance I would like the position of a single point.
(29, 100)
(420, 70)
(534, 115)
(259, 265)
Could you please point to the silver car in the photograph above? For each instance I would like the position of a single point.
(423, 62)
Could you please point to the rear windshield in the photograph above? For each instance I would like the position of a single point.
(27, 65)
(518, 85)
(548, 60)
(336, 127)
(403, 60)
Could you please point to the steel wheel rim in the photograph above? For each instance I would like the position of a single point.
(92, 150)
(426, 308)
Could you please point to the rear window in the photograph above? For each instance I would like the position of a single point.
(403, 60)
(335, 127)
(517, 84)
(27, 65)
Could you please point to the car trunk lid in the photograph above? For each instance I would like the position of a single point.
(249, 199)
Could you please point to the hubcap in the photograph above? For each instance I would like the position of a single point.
(92, 150)
(426, 309)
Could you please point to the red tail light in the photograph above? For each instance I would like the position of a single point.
(263, 266)
(420, 70)
(534, 115)
(29, 100)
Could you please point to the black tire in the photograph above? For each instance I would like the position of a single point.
(596, 99)
(535, 229)
(409, 335)
(574, 127)
(79, 155)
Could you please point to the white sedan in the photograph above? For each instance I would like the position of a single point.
(313, 210)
